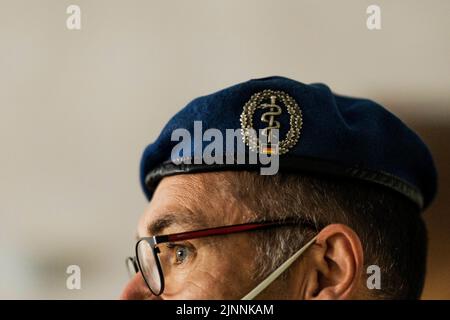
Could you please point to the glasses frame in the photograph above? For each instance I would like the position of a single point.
(196, 234)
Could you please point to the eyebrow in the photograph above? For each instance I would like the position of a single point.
(187, 219)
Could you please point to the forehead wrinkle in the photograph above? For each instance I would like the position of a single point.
(174, 202)
(212, 194)
(183, 218)
(193, 192)
(197, 201)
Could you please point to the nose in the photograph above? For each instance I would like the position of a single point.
(137, 289)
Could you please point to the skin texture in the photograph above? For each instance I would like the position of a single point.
(221, 267)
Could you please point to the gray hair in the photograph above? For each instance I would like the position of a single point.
(381, 219)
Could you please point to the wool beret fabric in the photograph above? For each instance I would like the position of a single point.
(340, 136)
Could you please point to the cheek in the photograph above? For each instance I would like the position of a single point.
(214, 281)
(210, 278)
(223, 273)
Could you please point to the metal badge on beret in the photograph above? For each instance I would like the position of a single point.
(276, 103)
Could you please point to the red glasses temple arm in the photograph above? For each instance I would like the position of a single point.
(221, 231)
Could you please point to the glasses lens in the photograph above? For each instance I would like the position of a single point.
(148, 266)
(177, 263)
(131, 267)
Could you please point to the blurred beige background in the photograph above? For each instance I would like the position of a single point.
(78, 107)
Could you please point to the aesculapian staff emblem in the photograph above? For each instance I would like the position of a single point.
(273, 102)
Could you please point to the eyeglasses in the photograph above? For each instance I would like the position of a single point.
(164, 257)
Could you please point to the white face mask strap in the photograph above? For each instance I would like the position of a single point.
(274, 275)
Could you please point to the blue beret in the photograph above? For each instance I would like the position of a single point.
(319, 132)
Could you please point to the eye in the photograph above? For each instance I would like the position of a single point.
(180, 253)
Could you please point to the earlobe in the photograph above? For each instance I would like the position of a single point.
(338, 263)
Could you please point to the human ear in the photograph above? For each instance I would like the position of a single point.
(336, 264)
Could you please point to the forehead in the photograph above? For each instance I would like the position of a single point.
(201, 199)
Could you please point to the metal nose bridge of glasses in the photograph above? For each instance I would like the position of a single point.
(134, 265)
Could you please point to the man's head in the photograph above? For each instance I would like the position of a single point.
(361, 225)
(351, 179)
